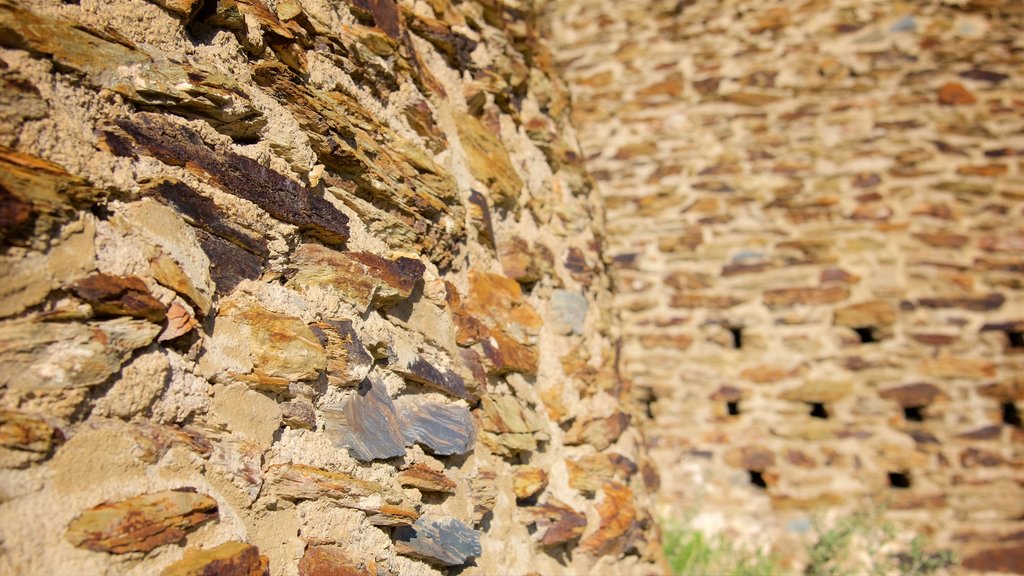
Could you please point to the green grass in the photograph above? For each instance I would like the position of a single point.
(691, 553)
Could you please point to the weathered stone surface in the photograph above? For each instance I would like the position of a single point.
(419, 370)
(483, 493)
(361, 278)
(367, 423)
(979, 304)
(426, 479)
(383, 506)
(36, 355)
(228, 559)
(1005, 559)
(529, 481)
(27, 433)
(598, 432)
(917, 394)
(298, 414)
(142, 523)
(238, 175)
(443, 429)
(488, 160)
(788, 297)
(119, 296)
(752, 457)
(112, 62)
(589, 473)
(823, 391)
(329, 561)
(618, 520)
(261, 348)
(872, 313)
(561, 524)
(348, 361)
(179, 7)
(954, 94)
(441, 541)
(496, 315)
(508, 426)
(568, 312)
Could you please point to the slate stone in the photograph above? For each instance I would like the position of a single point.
(488, 160)
(348, 361)
(367, 424)
(444, 429)
(364, 279)
(561, 524)
(419, 370)
(239, 175)
(439, 541)
(383, 505)
(984, 303)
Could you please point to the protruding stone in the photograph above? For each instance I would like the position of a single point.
(488, 160)
(329, 561)
(361, 278)
(618, 521)
(589, 473)
(508, 425)
(444, 429)
(367, 424)
(822, 391)
(954, 94)
(872, 313)
(598, 432)
(27, 433)
(64, 355)
(788, 297)
(440, 541)
(142, 523)
(529, 481)
(348, 361)
(483, 493)
(984, 303)
(917, 394)
(417, 369)
(228, 559)
(561, 524)
(383, 506)
(1006, 559)
(753, 457)
(119, 296)
(298, 414)
(426, 479)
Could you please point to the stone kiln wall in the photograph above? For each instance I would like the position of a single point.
(304, 286)
(815, 217)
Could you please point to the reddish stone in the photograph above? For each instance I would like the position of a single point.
(120, 296)
(954, 94)
(228, 559)
(598, 432)
(1012, 243)
(589, 473)
(764, 373)
(943, 240)
(426, 479)
(910, 395)
(329, 561)
(787, 297)
(1009, 559)
(988, 170)
(27, 432)
(561, 524)
(529, 481)
(618, 521)
(799, 458)
(978, 304)
(692, 300)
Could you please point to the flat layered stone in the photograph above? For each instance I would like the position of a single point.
(141, 523)
(27, 433)
(367, 424)
(752, 457)
(112, 62)
(617, 522)
(329, 561)
(426, 479)
(364, 279)
(508, 426)
(439, 541)
(443, 429)
(872, 313)
(692, 300)
(483, 493)
(298, 414)
(911, 395)
(488, 160)
(261, 348)
(419, 370)
(119, 296)
(984, 303)
(822, 391)
(383, 506)
(281, 197)
(598, 432)
(1006, 559)
(589, 473)
(559, 522)
(348, 361)
(528, 481)
(65, 355)
(788, 297)
(228, 559)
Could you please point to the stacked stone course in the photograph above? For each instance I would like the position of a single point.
(304, 287)
(814, 218)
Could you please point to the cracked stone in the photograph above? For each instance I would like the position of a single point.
(384, 506)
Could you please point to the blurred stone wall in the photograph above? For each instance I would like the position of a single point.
(304, 287)
(815, 217)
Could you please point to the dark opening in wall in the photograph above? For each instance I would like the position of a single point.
(1016, 338)
(818, 410)
(866, 334)
(1010, 414)
(737, 337)
(914, 413)
(757, 479)
(733, 407)
(899, 480)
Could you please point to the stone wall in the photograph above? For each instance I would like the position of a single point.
(304, 287)
(815, 217)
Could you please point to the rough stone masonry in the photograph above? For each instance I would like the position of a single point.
(304, 287)
(815, 221)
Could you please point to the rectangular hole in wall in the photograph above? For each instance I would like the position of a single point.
(1010, 414)
(866, 334)
(1016, 338)
(733, 407)
(818, 410)
(914, 413)
(737, 337)
(899, 480)
(757, 479)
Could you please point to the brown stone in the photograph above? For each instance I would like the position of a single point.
(508, 426)
(495, 314)
(598, 432)
(384, 506)
(142, 523)
(692, 300)
(765, 373)
(976, 457)
(27, 432)
(180, 7)
(1012, 243)
(871, 313)
(560, 523)
(426, 479)
(488, 160)
(329, 561)
(788, 297)
(519, 261)
(228, 559)
(241, 176)
(348, 361)
(1006, 390)
(984, 303)
(987, 170)
(917, 394)
(528, 481)
(618, 521)
(364, 279)
(818, 391)
(752, 457)
(943, 240)
(119, 296)
(1006, 559)
(591, 472)
(954, 94)
(298, 414)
